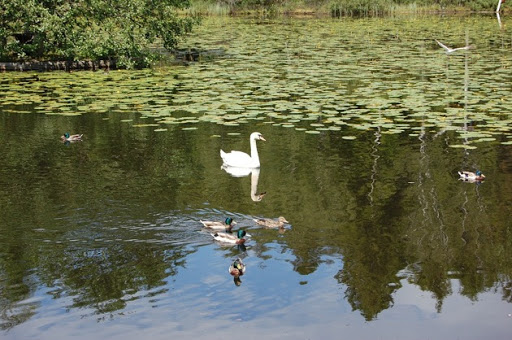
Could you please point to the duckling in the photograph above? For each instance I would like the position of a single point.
(230, 238)
(269, 223)
(70, 138)
(227, 225)
(237, 268)
(471, 176)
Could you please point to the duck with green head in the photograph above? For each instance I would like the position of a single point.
(227, 225)
(471, 176)
(237, 268)
(238, 238)
(70, 138)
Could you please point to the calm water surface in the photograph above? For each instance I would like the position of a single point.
(102, 238)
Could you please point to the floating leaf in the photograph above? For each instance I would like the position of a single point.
(144, 125)
(463, 146)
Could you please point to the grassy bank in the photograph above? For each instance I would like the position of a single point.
(339, 7)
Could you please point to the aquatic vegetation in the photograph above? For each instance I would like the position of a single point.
(311, 75)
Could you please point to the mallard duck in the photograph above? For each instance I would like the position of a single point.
(471, 176)
(237, 268)
(267, 222)
(240, 159)
(230, 238)
(70, 138)
(227, 225)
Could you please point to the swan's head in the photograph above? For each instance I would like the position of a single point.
(257, 136)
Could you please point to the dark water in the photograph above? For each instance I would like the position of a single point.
(102, 238)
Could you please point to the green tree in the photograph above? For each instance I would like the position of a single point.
(90, 29)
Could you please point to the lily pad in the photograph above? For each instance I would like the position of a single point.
(463, 146)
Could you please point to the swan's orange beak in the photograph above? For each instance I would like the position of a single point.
(263, 139)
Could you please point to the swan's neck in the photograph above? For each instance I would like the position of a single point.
(254, 153)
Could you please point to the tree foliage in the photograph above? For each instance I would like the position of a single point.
(89, 29)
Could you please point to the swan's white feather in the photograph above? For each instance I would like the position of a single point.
(240, 159)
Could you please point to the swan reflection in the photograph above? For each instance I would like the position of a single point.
(242, 172)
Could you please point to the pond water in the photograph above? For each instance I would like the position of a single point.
(366, 124)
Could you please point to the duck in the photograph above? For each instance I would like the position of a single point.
(227, 225)
(237, 268)
(240, 159)
(269, 223)
(471, 176)
(66, 137)
(230, 238)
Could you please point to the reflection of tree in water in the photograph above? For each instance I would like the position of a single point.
(372, 254)
(354, 200)
(104, 278)
(427, 230)
(449, 234)
(16, 284)
(429, 223)
(371, 262)
(367, 290)
(507, 291)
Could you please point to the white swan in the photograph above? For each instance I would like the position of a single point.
(241, 159)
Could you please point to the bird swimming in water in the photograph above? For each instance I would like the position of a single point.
(230, 238)
(237, 268)
(227, 225)
(70, 138)
(472, 176)
(269, 223)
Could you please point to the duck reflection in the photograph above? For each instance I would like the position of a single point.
(237, 269)
(242, 172)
